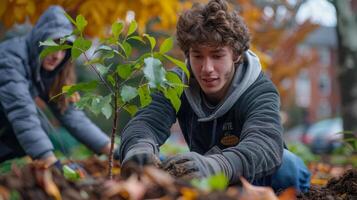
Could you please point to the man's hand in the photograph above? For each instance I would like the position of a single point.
(193, 165)
(139, 155)
(142, 158)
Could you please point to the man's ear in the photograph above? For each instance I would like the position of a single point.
(237, 58)
(188, 65)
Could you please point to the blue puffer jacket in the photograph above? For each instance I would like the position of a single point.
(21, 127)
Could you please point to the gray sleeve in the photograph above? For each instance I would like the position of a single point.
(259, 152)
(20, 109)
(81, 127)
(151, 125)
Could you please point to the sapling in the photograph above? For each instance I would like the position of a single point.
(115, 76)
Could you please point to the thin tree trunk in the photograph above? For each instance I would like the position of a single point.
(347, 59)
(114, 130)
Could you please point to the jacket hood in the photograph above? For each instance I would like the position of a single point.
(245, 75)
(52, 24)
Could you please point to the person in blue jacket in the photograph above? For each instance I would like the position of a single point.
(229, 114)
(25, 77)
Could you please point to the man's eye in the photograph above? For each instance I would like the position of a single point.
(217, 56)
(197, 56)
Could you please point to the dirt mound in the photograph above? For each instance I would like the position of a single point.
(342, 188)
(33, 181)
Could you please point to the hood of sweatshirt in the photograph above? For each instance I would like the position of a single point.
(52, 24)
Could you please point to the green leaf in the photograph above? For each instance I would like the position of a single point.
(111, 41)
(127, 49)
(98, 103)
(180, 64)
(51, 49)
(124, 70)
(151, 40)
(80, 45)
(137, 38)
(117, 28)
(84, 101)
(128, 93)
(70, 174)
(154, 72)
(200, 184)
(69, 18)
(172, 95)
(65, 39)
(218, 182)
(111, 80)
(108, 55)
(118, 53)
(132, 27)
(15, 195)
(167, 45)
(96, 106)
(97, 60)
(215, 182)
(86, 87)
(81, 23)
(140, 60)
(131, 109)
(107, 111)
(103, 48)
(102, 69)
(144, 94)
(76, 32)
(106, 108)
(175, 81)
(49, 42)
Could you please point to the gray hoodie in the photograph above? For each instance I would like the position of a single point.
(245, 125)
(21, 82)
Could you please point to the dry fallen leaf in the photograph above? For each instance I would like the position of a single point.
(132, 188)
(44, 179)
(160, 178)
(288, 194)
(188, 194)
(4, 193)
(251, 192)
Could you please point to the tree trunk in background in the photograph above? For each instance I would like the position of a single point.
(347, 62)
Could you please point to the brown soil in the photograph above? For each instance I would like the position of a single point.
(342, 188)
(35, 182)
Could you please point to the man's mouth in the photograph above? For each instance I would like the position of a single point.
(209, 80)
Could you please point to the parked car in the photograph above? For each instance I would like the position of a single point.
(325, 136)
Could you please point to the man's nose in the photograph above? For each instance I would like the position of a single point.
(207, 65)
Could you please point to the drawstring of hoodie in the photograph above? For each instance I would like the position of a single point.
(213, 139)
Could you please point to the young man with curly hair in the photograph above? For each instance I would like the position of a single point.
(229, 114)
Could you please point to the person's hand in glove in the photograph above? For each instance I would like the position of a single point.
(193, 165)
(140, 154)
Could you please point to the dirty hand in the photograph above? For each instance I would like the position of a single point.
(193, 165)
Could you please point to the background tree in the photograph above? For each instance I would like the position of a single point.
(347, 61)
(276, 37)
(100, 14)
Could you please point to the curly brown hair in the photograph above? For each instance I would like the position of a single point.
(212, 24)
